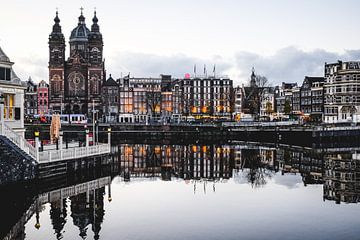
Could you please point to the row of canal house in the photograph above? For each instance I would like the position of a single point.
(164, 99)
(334, 98)
(306, 100)
(36, 97)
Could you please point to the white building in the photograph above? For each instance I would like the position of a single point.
(342, 92)
(267, 103)
(238, 102)
(12, 96)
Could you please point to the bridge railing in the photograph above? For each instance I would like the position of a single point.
(73, 153)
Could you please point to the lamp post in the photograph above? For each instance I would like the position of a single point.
(61, 143)
(37, 224)
(109, 192)
(93, 110)
(2, 117)
(37, 135)
(87, 136)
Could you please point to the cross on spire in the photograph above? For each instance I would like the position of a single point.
(81, 9)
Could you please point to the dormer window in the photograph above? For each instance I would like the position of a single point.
(5, 74)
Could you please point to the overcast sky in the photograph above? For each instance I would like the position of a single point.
(283, 39)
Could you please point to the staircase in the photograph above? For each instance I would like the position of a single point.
(19, 141)
(15, 164)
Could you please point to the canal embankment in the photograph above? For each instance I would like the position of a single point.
(319, 136)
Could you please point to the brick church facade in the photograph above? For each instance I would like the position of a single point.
(75, 84)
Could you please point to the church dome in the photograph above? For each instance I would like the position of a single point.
(80, 32)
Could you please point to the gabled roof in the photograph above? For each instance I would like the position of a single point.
(314, 79)
(110, 83)
(308, 81)
(3, 57)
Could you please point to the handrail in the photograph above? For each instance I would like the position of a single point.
(19, 141)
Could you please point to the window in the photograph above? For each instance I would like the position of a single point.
(9, 103)
(5, 73)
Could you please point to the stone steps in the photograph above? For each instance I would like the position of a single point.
(15, 164)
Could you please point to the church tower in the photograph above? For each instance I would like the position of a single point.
(75, 84)
(56, 65)
(96, 63)
(76, 70)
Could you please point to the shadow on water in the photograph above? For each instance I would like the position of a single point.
(78, 190)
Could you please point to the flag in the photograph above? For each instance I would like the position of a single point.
(195, 69)
(204, 69)
(214, 68)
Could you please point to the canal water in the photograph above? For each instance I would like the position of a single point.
(193, 191)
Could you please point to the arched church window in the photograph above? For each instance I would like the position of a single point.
(95, 55)
(94, 85)
(56, 84)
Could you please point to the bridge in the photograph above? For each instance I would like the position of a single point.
(51, 154)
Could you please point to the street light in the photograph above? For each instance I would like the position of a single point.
(2, 116)
(36, 133)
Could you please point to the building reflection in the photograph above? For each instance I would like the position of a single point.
(336, 169)
(190, 162)
(342, 177)
(202, 165)
(85, 201)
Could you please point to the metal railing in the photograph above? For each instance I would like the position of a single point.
(18, 140)
(73, 153)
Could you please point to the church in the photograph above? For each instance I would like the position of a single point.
(75, 83)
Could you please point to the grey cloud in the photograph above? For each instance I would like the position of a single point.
(288, 180)
(35, 67)
(146, 65)
(289, 64)
(286, 65)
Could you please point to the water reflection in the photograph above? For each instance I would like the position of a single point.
(77, 208)
(336, 169)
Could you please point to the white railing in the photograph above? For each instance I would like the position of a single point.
(70, 191)
(18, 140)
(73, 153)
(260, 124)
(52, 155)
